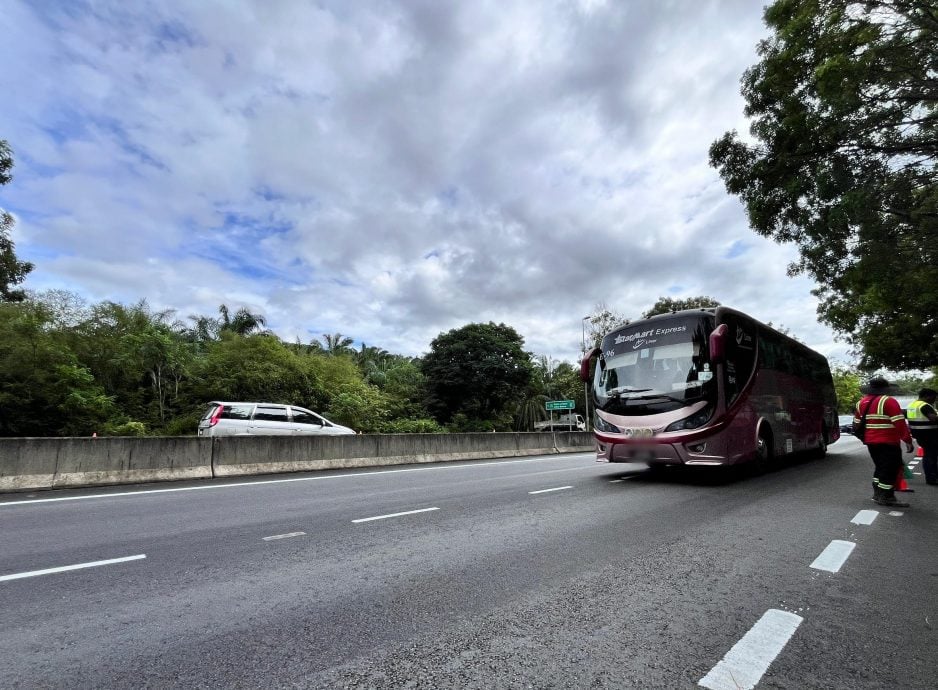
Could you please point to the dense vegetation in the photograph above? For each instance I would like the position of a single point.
(12, 270)
(67, 368)
(843, 161)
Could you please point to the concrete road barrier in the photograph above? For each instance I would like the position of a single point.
(53, 463)
(241, 455)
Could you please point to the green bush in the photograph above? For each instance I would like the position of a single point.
(411, 426)
(125, 429)
(462, 424)
(183, 425)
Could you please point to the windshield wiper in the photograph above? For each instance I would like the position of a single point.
(625, 389)
(663, 396)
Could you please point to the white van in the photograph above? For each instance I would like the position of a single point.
(265, 419)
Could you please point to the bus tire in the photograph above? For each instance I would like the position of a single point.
(821, 450)
(765, 451)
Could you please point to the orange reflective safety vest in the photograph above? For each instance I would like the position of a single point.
(885, 422)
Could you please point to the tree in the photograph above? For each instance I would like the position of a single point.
(844, 109)
(602, 321)
(665, 305)
(242, 323)
(255, 368)
(137, 355)
(847, 386)
(334, 344)
(44, 389)
(12, 270)
(374, 364)
(479, 372)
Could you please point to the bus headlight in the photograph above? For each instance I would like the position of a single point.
(603, 425)
(697, 419)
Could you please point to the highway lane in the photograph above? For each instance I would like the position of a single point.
(620, 579)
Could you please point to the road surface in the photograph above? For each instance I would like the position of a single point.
(542, 572)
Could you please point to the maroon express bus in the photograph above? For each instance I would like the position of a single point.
(708, 387)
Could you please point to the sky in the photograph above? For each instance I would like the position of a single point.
(389, 170)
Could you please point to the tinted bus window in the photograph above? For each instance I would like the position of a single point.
(740, 355)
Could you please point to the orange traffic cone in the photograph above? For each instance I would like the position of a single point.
(920, 452)
(901, 483)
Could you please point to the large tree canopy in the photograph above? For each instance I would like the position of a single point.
(480, 371)
(12, 270)
(844, 109)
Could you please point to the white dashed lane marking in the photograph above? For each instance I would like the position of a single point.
(556, 488)
(834, 556)
(744, 665)
(393, 515)
(864, 517)
(285, 536)
(66, 568)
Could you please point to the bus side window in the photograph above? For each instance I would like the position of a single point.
(740, 354)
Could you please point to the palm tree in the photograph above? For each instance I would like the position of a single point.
(335, 343)
(203, 329)
(242, 323)
(373, 363)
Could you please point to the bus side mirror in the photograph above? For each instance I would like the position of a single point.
(718, 344)
(585, 364)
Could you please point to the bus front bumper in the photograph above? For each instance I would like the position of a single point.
(698, 452)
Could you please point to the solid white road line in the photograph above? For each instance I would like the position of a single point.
(65, 568)
(864, 517)
(391, 515)
(284, 536)
(539, 458)
(834, 556)
(544, 491)
(744, 665)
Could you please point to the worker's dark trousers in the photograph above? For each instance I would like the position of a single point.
(887, 458)
(930, 459)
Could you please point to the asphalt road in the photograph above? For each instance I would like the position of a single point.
(538, 572)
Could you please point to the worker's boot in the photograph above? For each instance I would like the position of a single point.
(888, 498)
(892, 501)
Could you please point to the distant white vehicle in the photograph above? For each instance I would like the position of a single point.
(265, 419)
(564, 422)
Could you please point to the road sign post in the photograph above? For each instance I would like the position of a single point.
(552, 405)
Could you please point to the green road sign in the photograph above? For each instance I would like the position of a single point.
(559, 405)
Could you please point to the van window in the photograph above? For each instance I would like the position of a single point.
(237, 412)
(270, 414)
(306, 418)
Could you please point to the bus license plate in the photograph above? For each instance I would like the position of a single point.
(640, 454)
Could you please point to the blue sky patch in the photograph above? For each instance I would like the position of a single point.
(737, 249)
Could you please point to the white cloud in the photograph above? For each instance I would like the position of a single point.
(388, 170)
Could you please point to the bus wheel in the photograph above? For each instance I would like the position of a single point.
(764, 452)
(821, 450)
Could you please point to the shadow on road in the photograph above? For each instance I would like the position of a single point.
(715, 476)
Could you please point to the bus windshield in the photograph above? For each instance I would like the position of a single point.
(655, 366)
